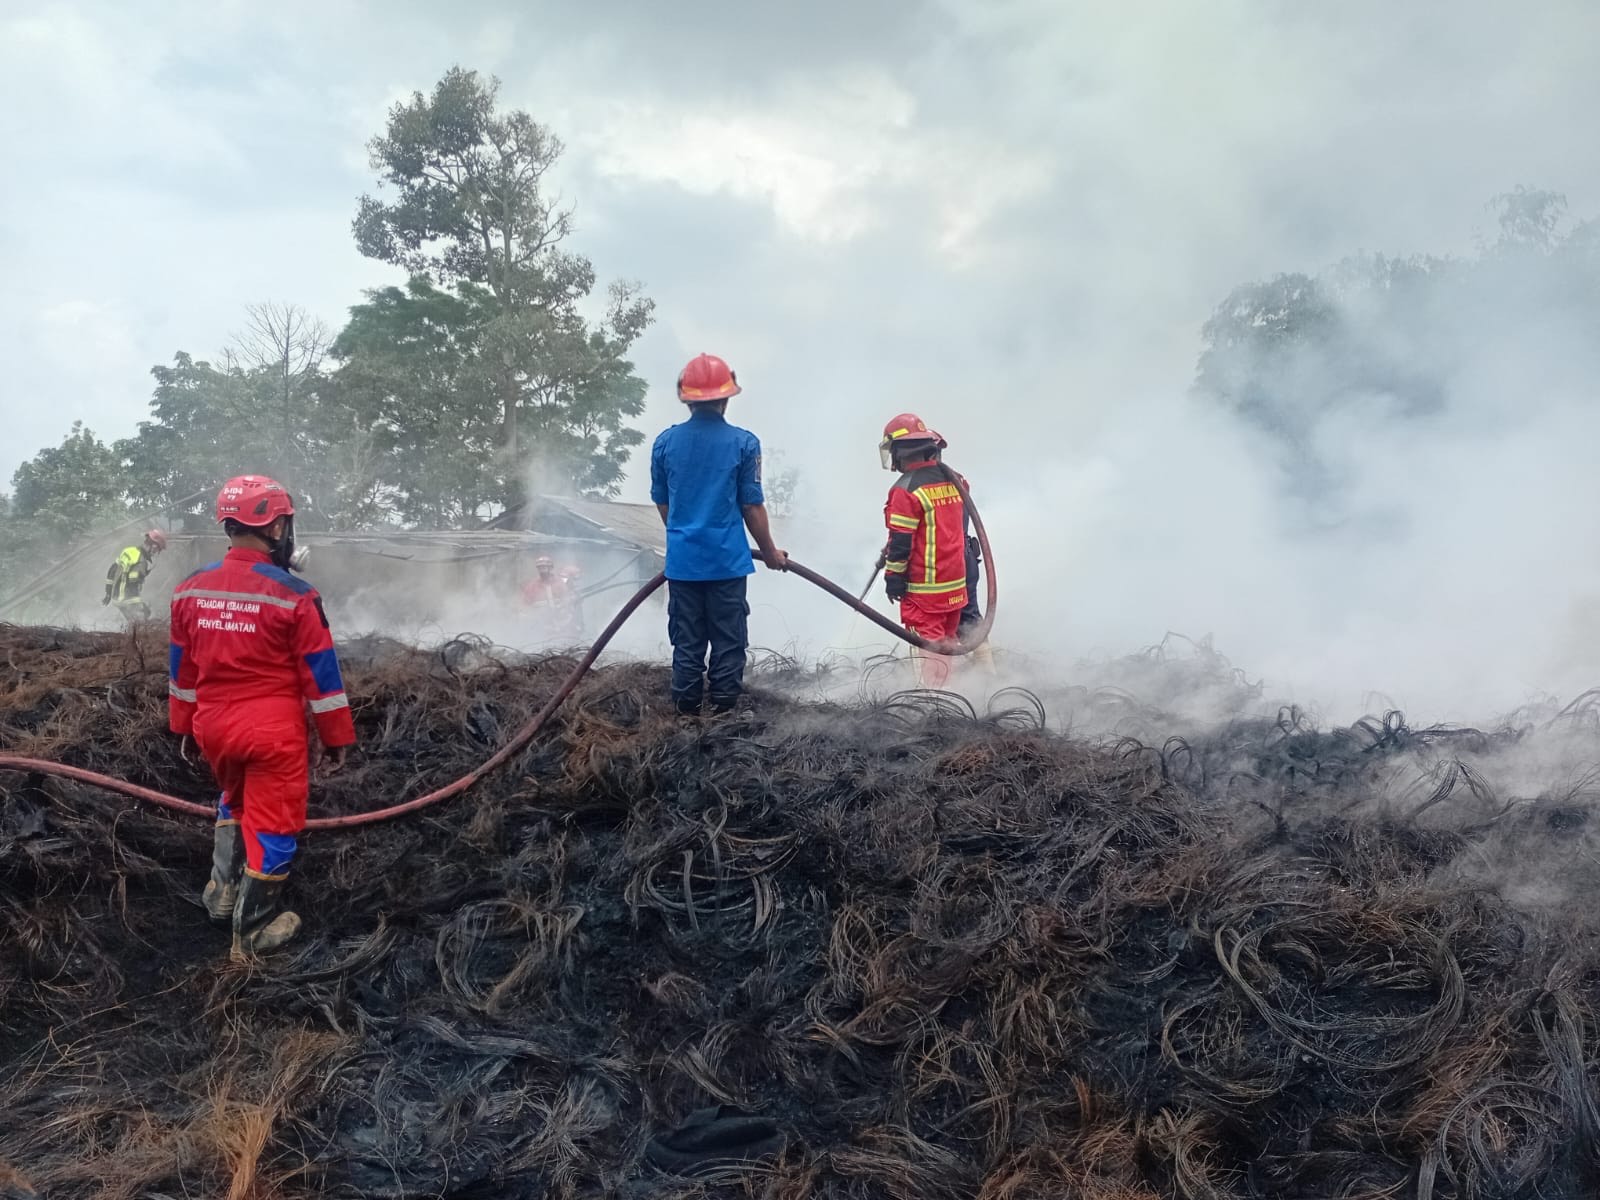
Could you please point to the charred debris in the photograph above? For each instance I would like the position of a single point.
(902, 949)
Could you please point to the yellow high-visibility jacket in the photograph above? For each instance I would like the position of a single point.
(125, 579)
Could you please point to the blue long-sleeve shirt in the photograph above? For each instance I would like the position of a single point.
(706, 472)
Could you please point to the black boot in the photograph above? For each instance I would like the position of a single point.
(227, 864)
(259, 922)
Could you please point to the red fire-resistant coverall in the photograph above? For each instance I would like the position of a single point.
(928, 545)
(250, 648)
(551, 600)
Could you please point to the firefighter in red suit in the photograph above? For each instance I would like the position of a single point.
(250, 650)
(549, 596)
(925, 562)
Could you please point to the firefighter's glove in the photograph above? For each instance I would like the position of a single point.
(894, 586)
(105, 600)
(331, 760)
(975, 548)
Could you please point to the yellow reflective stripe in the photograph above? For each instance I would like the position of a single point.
(896, 568)
(930, 542)
(902, 522)
(936, 589)
(255, 874)
(330, 703)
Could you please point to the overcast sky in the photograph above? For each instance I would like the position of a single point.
(1012, 215)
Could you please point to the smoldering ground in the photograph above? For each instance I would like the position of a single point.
(924, 951)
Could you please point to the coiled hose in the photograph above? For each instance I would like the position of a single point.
(524, 735)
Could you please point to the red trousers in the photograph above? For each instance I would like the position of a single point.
(936, 618)
(260, 755)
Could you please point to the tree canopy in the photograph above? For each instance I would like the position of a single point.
(551, 390)
(75, 482)
(495, 365)
(1394, 341)
(58, 495)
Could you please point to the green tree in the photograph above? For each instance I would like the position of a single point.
(207, 423)
(410, 376)
(282, 346)
(1390, 343)
(1529, 218)
(76, 483)
(469, 210)
(60, 495)
(265, 407)
(1263, 343)
(781, 482)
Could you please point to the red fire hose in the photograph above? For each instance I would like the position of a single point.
(524, 735)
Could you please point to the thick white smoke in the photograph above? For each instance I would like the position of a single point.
(1012, 216)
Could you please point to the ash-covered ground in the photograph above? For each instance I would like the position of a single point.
(897, 948)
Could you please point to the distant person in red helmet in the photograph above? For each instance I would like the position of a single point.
(925, 561)
(250, 651)
(705, 478)
(548, 596)
(126, 578)
(541, 591)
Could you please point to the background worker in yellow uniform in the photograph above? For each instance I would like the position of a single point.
(126, 576)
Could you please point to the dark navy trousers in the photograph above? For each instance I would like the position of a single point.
(702, 614)
(972, 614)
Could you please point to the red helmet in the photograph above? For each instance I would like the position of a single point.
(543, 561)
(571, 571)
(253, 500)
(906, 428)
(156, 538)
(707, 377)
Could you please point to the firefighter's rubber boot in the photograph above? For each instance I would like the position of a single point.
(259, 922)
(983, 657)
(227, 865)
(931, 671)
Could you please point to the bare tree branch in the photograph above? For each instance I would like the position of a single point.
(286, 342)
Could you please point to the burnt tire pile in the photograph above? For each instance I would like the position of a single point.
(887, 951)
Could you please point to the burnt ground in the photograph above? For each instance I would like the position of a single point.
(933, 954)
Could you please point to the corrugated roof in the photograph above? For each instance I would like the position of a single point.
(636, 524)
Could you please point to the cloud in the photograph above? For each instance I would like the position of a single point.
(103, 82)
(835, 159)
(815, 155)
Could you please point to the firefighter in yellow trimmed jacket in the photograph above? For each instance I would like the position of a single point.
(125, 579)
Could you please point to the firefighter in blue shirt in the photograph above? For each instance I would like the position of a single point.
(705, 478)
